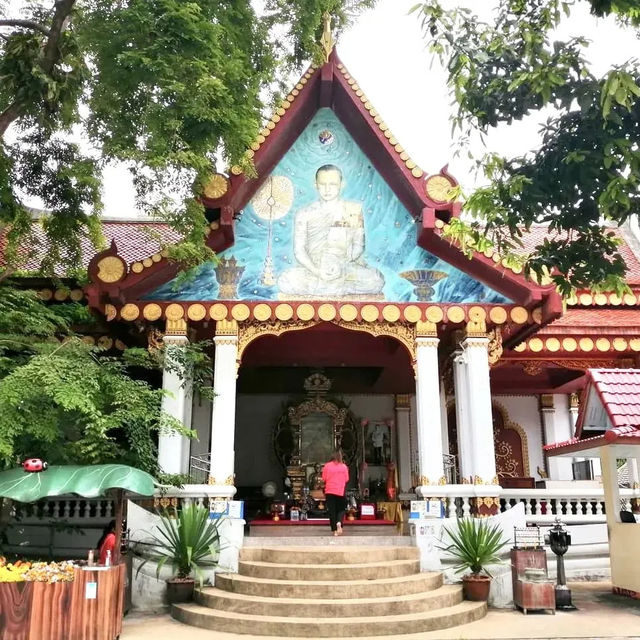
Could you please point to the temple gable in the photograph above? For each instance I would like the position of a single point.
(325, 225)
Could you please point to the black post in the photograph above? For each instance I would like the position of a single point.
(560, 541)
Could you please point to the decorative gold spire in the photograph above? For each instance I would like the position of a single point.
(327, 41)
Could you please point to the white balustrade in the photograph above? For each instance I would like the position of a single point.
(541, 506)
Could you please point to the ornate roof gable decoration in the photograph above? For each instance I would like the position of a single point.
(426, 199)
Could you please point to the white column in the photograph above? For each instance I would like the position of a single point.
(431, 470)
(556, 422)
(574, 407)
(223, 418)
(173, 449)
(444, 420)
(403, 427)
(483, 457)
(463, 419)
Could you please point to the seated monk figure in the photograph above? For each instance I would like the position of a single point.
(328, 243)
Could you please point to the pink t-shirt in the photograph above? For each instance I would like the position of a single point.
(335, 476)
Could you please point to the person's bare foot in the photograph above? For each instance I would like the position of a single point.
(335, 533)
(339, 531)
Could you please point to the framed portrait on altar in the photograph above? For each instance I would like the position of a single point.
(377, 443)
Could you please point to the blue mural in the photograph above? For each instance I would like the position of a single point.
(325, 225)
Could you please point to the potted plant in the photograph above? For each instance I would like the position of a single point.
(474, 545)
(187, 540)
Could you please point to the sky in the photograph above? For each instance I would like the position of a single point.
(386, 53)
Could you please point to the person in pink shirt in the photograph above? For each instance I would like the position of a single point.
(335, 476)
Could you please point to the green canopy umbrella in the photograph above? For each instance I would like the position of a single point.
(86, 481)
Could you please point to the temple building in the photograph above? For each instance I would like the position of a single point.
(343, 316)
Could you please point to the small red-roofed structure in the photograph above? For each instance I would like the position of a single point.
(611, 411)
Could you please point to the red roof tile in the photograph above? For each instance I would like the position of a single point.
(596, 317)
(537, 234)
(619, 390)
(135, 240)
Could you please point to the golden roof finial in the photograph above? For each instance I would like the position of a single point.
(327, 40)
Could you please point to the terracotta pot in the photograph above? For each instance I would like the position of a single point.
(476, 587)
(180, 590)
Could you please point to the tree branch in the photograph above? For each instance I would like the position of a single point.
(50, 56)
(27, 24)
(51, 49)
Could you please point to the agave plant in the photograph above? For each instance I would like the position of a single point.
(474, 545)
(187, 540)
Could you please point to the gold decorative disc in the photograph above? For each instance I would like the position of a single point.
(569, 344)
(326, 312)
(600, 299)
(520, 347)
(105, 342)
(137, 267)
(305, 312)
(412, 313)
(218, 311)
(455, 314)
(369, 313)
(586, 344)
(76, 295)
(619, 344)
(438, 188)
(477, 314)
(536, 345)
(240, 312)
(634, 344)
(147, 262)
(196, 312)
(174, 312)
(45, 294)
(536, 315)
(629, 299)
(130, 311)
(61, 294)
(111, 269)
(602, 344)
(152, 311)
(284, 312)
(586, 299)
(348, 312)
(274, 198)
(498, 315)
(262, 312)
(434, 314)
(552, 344)
(110, 312)
(391, 313)
(519, 315)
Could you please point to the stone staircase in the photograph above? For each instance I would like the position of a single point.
(329, 591)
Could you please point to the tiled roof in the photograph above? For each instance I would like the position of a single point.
(594, 317)
(135, 240)
(537, 234)
(619, 390)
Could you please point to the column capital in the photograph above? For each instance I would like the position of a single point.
(227, 328)
(546, 402)
(403, 401)
(175, 327)
(426, 330)
(178, 340)
(480, 340)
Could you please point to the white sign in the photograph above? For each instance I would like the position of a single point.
(424, 509)
(229, 508)
(91, 591)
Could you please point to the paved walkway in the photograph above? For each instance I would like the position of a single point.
(601, 615)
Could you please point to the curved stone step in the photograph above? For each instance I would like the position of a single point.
(270, 588)
(445, 596)
(233, 622)
(369, 571)
(320, 555)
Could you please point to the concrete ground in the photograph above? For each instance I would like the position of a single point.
(600, 615)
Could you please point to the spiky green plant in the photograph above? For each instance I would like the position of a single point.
(187, 540)
(474, 545)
